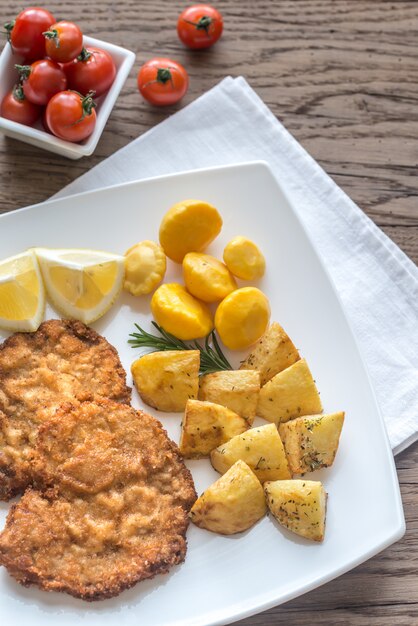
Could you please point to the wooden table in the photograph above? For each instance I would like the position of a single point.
(342, 76)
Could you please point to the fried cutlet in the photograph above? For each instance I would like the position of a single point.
(114, 506)
(62, 360)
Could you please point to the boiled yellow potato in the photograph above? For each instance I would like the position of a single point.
(145, 266)
(234, 503)
(166, 380)
(244, 258)
(238, 390)
(180, 313)
(311, 442)
(290, 393)
(189, 226)
(271, 354)
(242, 317)
(261, 448)
(299, 505)
(206, 425)
(207, 278)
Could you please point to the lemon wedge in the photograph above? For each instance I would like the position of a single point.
(81, 284)
(22, 295)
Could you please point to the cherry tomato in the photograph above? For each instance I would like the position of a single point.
(64, 41)
(162, 81)
(94, 69)
(42, 80)
(25, 33)
(200, 26)
(17, 108)
(44, 122)
(71, 116)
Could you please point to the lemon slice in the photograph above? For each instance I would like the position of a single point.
(81, 284)
(22, 295)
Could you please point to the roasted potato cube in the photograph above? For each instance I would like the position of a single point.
(236, 389)
(271, 354)
(207, 425)
(299, 505)
(311, 442)
(291, 393)
(261, 448)
(166, 380)
(234, 503)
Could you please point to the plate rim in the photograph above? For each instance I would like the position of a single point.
(234, 614)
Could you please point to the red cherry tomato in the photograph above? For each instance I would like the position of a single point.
(17, 108)
(44, 122)
(64, 41)
(71, 116)
(162, 81)
(42, 80)
(200, 26)
(25, 33)
(94, 69)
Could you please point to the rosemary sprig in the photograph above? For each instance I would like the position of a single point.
(212, 358)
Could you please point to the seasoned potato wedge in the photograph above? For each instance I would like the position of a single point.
(299, 505)
(311, 442)
(234, 503)
(166, 380)
(207, 425)
(236, 389)
(271, 354)
(261, 448)
(291, 393)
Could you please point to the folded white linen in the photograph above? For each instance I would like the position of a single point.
(377, 282)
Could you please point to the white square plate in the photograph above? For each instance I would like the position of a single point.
(227, 578)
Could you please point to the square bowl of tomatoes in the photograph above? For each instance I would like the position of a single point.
(50, 98)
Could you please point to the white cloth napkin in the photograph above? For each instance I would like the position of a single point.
(377, 282)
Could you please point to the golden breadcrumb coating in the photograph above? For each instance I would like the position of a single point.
(62, 360)
(112, 507)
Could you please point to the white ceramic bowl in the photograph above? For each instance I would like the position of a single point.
(36, 135)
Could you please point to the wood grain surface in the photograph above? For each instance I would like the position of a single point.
(342, 75)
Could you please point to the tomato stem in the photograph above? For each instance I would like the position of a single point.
(23, 70)
(9, 27)
(88, 104)
(204, 23)
(52, 34)
(84, 55)
(18, 93)
(164, 75)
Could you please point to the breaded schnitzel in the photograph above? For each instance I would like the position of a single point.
(114, 510)
(62, 360)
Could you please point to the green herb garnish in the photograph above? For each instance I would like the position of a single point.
(212, 358)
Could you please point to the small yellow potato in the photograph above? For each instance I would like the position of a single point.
(189, 226)
(299, 506)
(260, 448)
(145, 266)
(167, 380)
(207, 425)
(291, 393)
(311, 442)
(207, 278)
(234, 503)
(180, 313)
(242, 317)
(237, 390)
(271, 354)
(244, 258)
